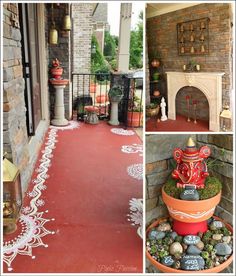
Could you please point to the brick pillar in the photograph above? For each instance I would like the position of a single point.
(81, 44)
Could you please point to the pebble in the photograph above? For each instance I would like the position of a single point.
(164, 227)
(176, 248)
(191, 239)
(156, 235)
(185, 247)
(192, 262)
(223, 249)
(193, 250)
(200, 245)
(177, 265)
(227, 239)
(189, 194)
(217, 237)
(216, 224)
(173, 235)
(167, 260)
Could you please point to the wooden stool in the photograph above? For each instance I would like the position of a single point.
(92, 117)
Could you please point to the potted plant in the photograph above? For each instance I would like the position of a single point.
(135, 113)
(192, 239)
(152, 109)
(155, 76)
(155, 59)
(56, 70)
(115, 95)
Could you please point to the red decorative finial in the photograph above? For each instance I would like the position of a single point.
(191, 168)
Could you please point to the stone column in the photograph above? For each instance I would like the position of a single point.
(59, 108)
(124, 37)
(114, 114)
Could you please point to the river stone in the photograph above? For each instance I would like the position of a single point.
(227, 239)
(173, 235)
(223, 249)
(176, 248)
(216, 224)
(189, 194)
(164, 227)
(192, 262)
(200, 245)
(156, 235)
(167, 260)
(193, 250)
(191, 239)
(217, 237)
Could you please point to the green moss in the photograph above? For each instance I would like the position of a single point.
(212, 187)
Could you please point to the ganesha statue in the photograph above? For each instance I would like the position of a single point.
(191, 168)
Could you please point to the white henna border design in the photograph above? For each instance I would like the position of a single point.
(72, 125)
(192, 215)
(121, 131)
(32, 220)
(134, 148)
(136, 214)
(136, 171)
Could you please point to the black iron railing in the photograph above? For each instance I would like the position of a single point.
(90, 89)
(131, 109)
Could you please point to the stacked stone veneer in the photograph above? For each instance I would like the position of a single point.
(62, 52)
(161, 34)
(81, 45)
(15, 139)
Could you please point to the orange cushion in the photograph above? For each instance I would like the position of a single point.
(90, 108)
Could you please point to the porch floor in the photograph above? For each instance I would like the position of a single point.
(88, 193)
(180, 124)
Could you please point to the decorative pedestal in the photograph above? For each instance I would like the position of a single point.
(92, 117)
(59, 108)
(114, 114)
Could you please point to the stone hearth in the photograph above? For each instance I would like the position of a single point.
(209, 83)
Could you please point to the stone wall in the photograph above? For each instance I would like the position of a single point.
(161, 34)
(222, 152)
(62, 52)
(15, 138)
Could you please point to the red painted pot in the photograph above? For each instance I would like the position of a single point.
(167, 269)
(102, 98)
(56, 73)
(134, 119)
(190, 211)
(92, 88)
(155, 63)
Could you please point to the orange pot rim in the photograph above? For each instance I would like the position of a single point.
(205, 202)
(164, 268)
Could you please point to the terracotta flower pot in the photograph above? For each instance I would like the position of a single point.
(167, 269)
(92, 88)
(190, 211)
(134, 119)
(155, 63)
(56, 73)
(102, 98)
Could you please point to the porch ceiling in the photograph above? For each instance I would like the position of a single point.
(155, 9)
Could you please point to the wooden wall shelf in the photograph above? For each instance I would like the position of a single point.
(193, 37)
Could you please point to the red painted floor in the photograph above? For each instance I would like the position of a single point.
(88, 193)
(180, 124)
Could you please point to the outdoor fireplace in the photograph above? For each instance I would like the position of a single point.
(209, 83)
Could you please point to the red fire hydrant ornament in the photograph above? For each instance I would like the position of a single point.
(191, 168)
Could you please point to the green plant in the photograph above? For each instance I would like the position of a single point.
(212, 187)
(152, 106)
(155, 76)
(115, 91)
(135, 104)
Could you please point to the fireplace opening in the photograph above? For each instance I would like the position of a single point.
(197, 101)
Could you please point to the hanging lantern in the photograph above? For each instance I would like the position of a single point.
(53, 34)
(67, 20)
(12, 196)
(226, 119)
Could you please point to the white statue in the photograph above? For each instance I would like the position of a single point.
(163, 109)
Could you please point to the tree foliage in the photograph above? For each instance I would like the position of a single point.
(136, 45)
(109, 46)
(98, 62)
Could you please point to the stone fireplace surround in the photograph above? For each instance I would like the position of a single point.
(210, 83)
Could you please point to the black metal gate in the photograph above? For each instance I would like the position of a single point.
(90, 90)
